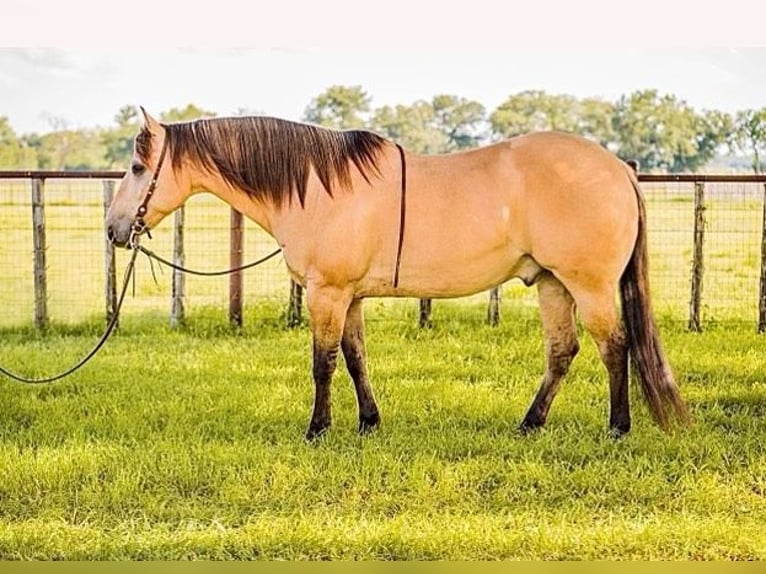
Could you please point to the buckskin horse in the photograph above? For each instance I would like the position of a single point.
(357, 216)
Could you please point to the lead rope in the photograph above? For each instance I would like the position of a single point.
(152, 255)
(129, 274)
(109, 328)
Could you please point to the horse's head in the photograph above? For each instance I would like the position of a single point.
(150, 189)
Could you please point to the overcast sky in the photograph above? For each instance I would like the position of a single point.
(76, 63)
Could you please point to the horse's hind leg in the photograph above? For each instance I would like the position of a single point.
(561, 346)
(602, 320)
(352, 344)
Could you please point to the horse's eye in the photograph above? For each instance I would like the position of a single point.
(137, 168)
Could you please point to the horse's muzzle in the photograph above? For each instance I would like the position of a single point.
(118, 236)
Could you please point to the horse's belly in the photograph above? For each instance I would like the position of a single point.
(446, 275)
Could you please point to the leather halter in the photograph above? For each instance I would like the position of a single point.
(139, 225)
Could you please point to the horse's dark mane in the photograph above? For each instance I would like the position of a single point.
(269, 158)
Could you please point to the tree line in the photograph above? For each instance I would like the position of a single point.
(660, 131)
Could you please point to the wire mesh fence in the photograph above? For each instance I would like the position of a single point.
(727, 220)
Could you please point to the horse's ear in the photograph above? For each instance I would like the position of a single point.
(149, 122)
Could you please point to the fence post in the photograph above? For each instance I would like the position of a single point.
(235, 260)
(177, 311)
(762, 294)
(424, 320)
(110, 266)
(295, 305)
(38, 234)
(698, 266)
(493, 311)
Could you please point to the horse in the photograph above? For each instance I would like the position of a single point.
(357, 216)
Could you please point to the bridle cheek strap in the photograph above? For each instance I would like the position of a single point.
(139, 225)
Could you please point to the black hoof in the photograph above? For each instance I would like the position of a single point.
(315, 431)
(368, 423)
(619, 431)
(529, 425)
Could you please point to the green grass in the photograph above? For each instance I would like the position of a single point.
(188, 444)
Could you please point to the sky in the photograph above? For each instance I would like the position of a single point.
(75, 64)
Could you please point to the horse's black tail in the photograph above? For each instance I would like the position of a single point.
(646, 354)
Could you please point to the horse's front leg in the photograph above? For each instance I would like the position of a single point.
(327, 311)
(356, 362)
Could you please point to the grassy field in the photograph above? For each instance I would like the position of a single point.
(188, 444)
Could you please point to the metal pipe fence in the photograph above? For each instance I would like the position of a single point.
(707, 244)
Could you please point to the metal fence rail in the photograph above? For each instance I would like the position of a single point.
(707, 245)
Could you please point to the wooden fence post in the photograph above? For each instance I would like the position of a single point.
(493, 311)
(235, 260)
(110, 266)
(762, 294)
(295, 305)
(698, 267)
(424, 320)
(177, 310)
(38, 238)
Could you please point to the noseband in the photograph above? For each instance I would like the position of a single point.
(139, 225)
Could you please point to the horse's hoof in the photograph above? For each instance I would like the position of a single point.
(619, 431)
(315, 431)
(529, 426)
(368, 423)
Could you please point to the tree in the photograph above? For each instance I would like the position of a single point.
(341, 107)
(749, 136)
(714, 130)
(459, 119)
(14, 151)
(662, 132)
(64, 148)
(70, 149)
(186, 114)
(118, 142)
(445, 124)
(594, 121)
(411, 126)
(534, 111)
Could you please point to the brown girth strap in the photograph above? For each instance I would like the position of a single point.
(402, 212)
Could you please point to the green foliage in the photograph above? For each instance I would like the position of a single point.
(189, 445)
(69, 149)
(340, 107)
(445, 124)
(118, 142)
(460, 120)
(661, 131)
(185, 114)
(411, 126)
(664, 133)
(595, 122)
(749, 136)
(15, 152)
(533, 111)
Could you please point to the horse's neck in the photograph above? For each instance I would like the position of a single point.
(240, 200)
